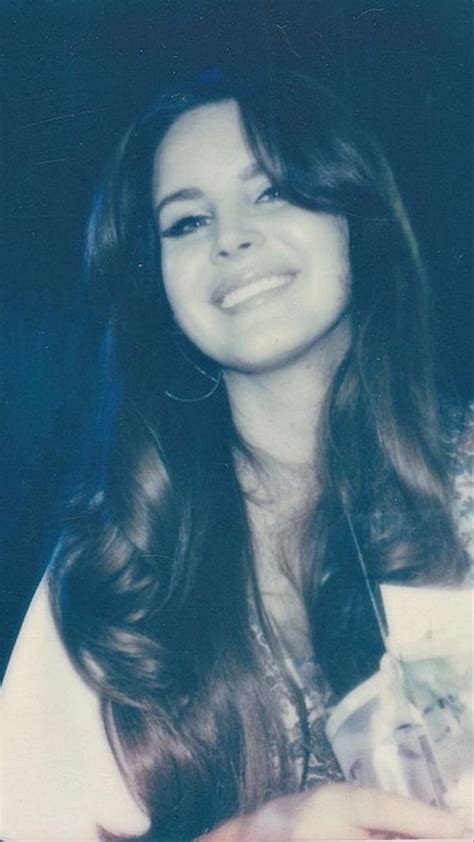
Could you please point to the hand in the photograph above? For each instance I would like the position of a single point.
(339, 811)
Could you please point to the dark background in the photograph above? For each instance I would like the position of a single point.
(74, 73)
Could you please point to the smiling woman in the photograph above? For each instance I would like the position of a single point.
(253, 280)
(206, 587)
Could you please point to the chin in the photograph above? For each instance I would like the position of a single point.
(265, 361)
(281, 352)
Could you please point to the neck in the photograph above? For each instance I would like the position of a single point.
(277, 413)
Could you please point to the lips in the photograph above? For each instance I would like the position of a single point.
(250, 288)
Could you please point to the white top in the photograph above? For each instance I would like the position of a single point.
(59, 776)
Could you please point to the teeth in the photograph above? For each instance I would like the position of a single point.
(237, 296)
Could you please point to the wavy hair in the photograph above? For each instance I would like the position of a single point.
(154, 585)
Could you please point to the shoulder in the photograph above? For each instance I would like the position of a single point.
(461, 463)
(60, 775)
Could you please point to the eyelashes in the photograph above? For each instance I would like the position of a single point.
(185, 225)
(192, 222)
(269, 195)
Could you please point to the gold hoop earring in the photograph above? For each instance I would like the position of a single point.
(215, 380)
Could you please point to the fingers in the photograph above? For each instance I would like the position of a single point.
(341, 811)
(384, 811)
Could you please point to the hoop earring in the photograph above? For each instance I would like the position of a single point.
(215, 380)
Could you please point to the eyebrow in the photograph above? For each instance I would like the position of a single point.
(178, 196)
(186, 193)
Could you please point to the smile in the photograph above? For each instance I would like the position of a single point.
(254, 290)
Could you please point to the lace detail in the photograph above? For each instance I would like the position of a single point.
(310, 753)
(461, 453)
(319, 700)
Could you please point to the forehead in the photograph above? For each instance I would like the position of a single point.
(205, 143)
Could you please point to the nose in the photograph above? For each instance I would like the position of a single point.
(234, 238)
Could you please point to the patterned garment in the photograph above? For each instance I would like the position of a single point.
(461, 452)
(311, 756)
(310, 753)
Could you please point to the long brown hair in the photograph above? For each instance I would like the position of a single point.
(151, 582)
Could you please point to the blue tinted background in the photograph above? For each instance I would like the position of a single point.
(74, 75)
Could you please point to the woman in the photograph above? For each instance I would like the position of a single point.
(268, 349)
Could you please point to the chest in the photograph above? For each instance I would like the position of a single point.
(276, 543)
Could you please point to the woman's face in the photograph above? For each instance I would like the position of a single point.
(253, 281)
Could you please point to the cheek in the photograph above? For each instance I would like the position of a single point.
(185, 295)
(174, 272)
(322, 239)
(183, 264)
(339, 289)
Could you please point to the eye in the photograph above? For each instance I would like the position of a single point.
(270, 194)
(185, 225)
